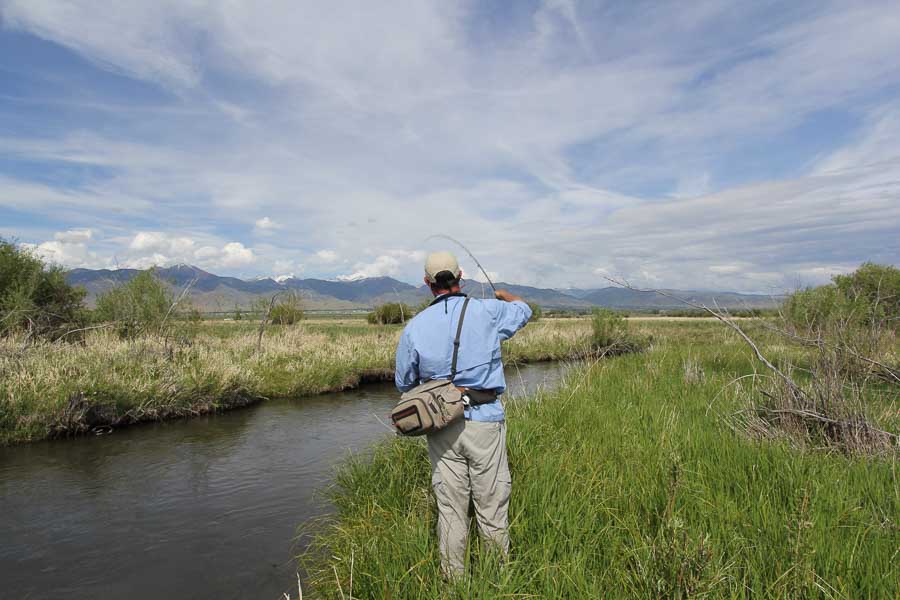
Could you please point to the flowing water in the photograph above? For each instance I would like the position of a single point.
(200, 508)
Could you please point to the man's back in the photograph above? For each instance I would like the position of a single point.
(426, 346)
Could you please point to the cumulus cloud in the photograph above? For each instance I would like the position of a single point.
(382, 266)
(156, 248)
(230, 256)
(235, 254)
(69, 249)
(67, 254)
(157, 241)
(478, 276)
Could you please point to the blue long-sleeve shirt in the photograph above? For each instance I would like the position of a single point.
(425, 350)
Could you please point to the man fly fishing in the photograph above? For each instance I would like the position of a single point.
(457, 338)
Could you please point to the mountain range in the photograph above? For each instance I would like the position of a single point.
(211, 292)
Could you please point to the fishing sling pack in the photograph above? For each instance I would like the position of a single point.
(435, 404)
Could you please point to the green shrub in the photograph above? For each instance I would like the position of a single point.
(868, 296)
(536, 312)
(877, 287)
(287, 311)
(390, 313)
(814, 307)
(34, 296)
(610, 333)
(138, 306)
(608, 327)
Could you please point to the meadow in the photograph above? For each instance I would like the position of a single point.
(57, 389)
(635, 479)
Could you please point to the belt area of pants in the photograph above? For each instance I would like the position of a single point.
(477, 397)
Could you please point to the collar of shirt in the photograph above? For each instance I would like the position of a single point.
(446, 296)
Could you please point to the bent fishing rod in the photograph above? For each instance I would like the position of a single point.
(472, 256)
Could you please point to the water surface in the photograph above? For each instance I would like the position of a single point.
(199, 508)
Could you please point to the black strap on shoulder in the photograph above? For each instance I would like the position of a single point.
(444, 297)
(462, 316)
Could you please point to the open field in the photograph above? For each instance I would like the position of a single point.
(58, 389)
(630, 481)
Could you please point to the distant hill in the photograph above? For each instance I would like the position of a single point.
(214, 293)
(544, 297)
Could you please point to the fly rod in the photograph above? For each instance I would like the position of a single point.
(472, 256)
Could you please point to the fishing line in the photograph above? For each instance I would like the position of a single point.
(472, 256)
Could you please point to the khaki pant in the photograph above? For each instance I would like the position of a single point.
(468, 460)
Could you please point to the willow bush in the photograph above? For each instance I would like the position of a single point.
(34, 296)
(137, 306)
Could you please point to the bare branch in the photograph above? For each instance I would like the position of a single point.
(178, 300)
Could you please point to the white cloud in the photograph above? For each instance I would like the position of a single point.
(879, 142)
(235, 254)
(266, 225)
(382, 266)
(232, 255)
(285, 268)
(477, 275)
(67, 254)
(327, 256)
(148, 241)
(149, 248)
(136, 38)
(74, 236)
(146, 261)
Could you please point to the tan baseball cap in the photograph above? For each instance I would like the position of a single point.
(438, 262)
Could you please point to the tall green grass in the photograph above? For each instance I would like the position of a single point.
(628, 483)
(59, 389)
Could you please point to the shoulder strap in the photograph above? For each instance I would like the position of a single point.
(462, 316)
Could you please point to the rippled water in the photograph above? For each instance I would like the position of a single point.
(201, 508)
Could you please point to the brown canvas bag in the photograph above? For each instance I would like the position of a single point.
(433, 405)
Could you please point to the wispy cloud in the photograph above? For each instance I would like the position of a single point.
(699, 145)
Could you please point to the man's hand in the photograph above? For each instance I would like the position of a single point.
(506, 296)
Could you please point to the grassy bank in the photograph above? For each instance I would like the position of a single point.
(57, 389)
(628, 482)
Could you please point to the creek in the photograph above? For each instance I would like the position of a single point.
(198, 508)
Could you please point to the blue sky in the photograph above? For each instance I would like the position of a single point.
(745, 146)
